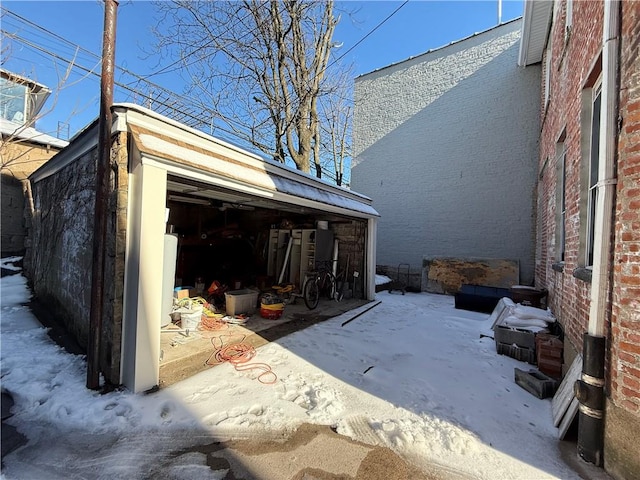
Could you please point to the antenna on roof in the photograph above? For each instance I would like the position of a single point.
(63, 130)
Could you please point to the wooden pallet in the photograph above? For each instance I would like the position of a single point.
(564, 405)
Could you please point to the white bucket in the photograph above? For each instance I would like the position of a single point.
(191, 320)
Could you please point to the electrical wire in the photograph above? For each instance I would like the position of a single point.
(369, 33)
(239, 354)
(195, 119)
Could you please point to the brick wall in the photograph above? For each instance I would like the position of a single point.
(573, 59)
(574, 66)
(446, 146)
(625, 321)
(19, 160)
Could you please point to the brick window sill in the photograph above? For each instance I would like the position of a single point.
(583, 274)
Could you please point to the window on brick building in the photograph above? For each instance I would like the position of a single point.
(547, 74)
(561, 198)
(591, 154)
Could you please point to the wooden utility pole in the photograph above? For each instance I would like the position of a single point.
(102, 194)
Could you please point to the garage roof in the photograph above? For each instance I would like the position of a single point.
(219, 169)
(193, 155)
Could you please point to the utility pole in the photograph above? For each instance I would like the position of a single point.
(102, 194)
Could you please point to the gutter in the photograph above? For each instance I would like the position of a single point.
(525, 35)
(590, 389)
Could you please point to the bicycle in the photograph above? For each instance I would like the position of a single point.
(321, 281)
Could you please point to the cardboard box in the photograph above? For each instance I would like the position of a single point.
(184, 292)
(241, 301)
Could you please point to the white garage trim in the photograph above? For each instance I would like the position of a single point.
(158, 148)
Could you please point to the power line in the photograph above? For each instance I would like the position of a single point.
(169, 100)
(369, 33)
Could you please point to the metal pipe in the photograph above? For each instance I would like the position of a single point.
(102, 194)
(590, 389)
(606, 185)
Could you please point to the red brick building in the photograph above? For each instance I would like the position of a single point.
(588, 209)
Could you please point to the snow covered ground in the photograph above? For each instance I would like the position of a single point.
(412, 373)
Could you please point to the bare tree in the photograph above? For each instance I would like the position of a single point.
(261, 66)
(337, 113)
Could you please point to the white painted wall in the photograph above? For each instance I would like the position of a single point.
(446, 146)
(144, 278)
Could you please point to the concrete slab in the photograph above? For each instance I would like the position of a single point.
(183, 356)
(312, 452)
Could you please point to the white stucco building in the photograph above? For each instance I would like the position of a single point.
(445, 144)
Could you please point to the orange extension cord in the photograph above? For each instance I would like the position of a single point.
(239, 354)
(212, 324)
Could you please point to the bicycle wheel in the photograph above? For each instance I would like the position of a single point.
(311, 293)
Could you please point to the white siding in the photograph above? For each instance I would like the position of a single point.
(446, 146)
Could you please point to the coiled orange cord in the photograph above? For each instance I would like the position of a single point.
(239, 354)
(212, 323)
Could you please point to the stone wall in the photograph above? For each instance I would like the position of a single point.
(352, 236)
(58, 260)
(111, 335)
(446, 146)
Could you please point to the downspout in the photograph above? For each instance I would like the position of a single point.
(590, 389)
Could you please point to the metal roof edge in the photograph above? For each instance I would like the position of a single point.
(80, 144)
(30, 134)
(210, 142)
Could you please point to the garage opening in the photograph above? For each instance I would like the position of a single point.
(241, 241)
(226, 242)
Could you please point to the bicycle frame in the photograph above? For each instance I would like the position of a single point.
(321, 281)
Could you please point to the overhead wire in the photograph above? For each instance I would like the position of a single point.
(197, 119)
(368, 34)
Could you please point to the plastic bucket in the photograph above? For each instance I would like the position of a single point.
(271, 312)
(191, 320)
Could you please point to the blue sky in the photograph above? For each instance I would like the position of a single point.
(415, 28)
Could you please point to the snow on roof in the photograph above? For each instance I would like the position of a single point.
(252, 175)
(22, 132)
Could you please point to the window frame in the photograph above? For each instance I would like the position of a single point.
(568, 18)
(561, 198)
(591, 117)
